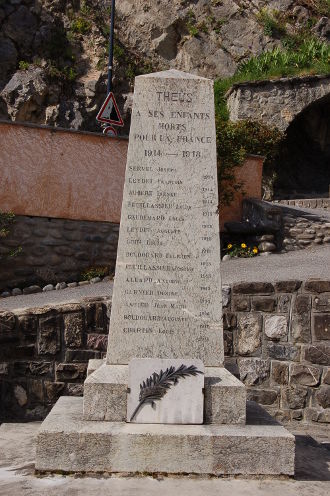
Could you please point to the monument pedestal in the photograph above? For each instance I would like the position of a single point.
(91, 434)
(67, 443)
(105, 395)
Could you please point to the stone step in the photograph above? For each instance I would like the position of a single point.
(105, 395)
(67, 443)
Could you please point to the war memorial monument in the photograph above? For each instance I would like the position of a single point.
(162, 401)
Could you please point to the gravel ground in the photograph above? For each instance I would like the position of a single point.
(304, 264)
(17, 453)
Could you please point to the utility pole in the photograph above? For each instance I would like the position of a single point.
(112, 26)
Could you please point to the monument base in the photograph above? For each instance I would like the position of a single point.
(105, 395)
(67, 443)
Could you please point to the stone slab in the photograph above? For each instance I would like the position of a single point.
(105, 395)
(66, 443)
(94, 364)
(224, 397)
(180, 402)
(167, 290)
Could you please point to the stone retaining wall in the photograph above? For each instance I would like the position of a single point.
(276, 340)
(55, 250)
(294, 228)
(301, 230)
(305, 203)
(276, 102)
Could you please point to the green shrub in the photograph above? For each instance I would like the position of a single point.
(273, 22)
(81, 25)
(130, 71)
(191, 23)
(203, 27)
(236, 140)
(312, 56)
(92, 272)
(23, 65)
(85, 9)
(118, 52)
(66, 73)
(7, 219)
(193, 30)
(241, 250)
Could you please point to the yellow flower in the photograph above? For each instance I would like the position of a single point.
(255, 250)
(229, 246)
(243, 245)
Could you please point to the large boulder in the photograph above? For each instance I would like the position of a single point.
(25, 94)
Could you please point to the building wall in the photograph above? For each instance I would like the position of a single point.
(276, 340)
(250, 176)
(55, 250)
(63, 174)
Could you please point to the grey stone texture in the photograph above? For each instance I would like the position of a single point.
(67, 443)
(167, 289)
(276, 327)
(34, 348)
(105, 394)
(45, 351)
(310, 472)
(51, 254)
(295, 229)
(275, 102)
(323, 203)
(181, 403)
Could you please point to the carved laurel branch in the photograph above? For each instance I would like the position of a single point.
(155, 387)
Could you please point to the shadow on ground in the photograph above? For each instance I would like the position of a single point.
(312, 459)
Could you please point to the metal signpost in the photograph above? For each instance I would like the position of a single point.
(109, 112)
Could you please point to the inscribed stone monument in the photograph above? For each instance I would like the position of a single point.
(166, 306)
(167, 292)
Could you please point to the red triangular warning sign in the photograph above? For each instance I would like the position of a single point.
(109, 111)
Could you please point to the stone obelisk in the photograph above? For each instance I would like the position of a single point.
(166, 305)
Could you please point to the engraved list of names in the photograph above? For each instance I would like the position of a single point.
(167, 290)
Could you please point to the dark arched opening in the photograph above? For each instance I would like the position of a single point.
(303, 162)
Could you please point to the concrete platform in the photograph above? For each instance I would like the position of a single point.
(105, 395)
(17, 477)
(66, 443)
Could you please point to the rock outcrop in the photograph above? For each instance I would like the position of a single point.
(53, 53)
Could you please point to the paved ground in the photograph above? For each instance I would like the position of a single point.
(68, 295)
(312, 262)
(17, 451)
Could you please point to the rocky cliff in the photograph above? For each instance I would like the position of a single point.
(53, 53)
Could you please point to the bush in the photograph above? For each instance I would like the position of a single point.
(92, 272)
(81, 25)
(23, 65)
(236, 140)
(272, 22)
(312, 57)
(6, 221)
(241, 250)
